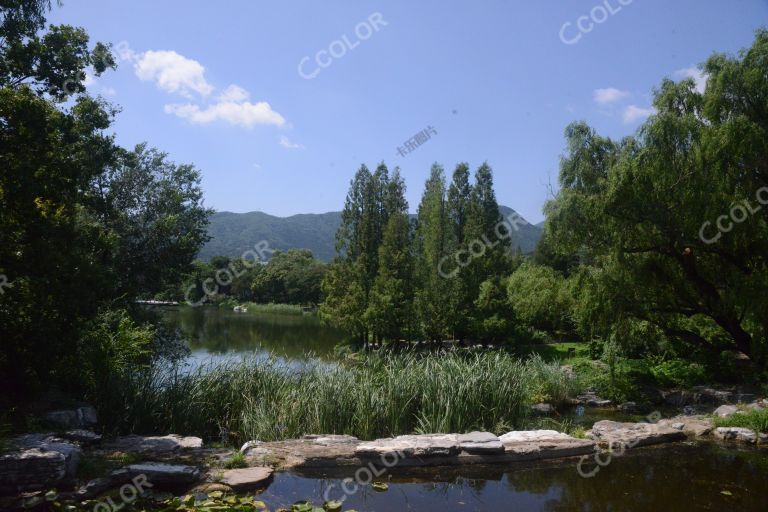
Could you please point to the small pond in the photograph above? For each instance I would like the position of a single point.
(680, 477)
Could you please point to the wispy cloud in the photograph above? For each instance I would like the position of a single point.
(286, 143)
(609, 95)
(244, 113)
(633, 113)
(698, 76)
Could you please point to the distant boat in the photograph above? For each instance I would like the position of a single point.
(240, 309)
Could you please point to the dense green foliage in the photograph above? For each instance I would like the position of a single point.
(85, 226)
(373, 397)
(641, 213)
(440, 276)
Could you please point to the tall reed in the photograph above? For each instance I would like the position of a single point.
(376, 396)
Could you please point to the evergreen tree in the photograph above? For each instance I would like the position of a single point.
(432, 242)
(461, 299)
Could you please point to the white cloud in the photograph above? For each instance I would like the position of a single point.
(173, 72)
(234, 93)
(609, 95)
(698, 76)
(286, 143)
(633, 113)
(245, 114)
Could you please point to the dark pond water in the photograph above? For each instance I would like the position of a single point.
(220, 334)
(682, 477)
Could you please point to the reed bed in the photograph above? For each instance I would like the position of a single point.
(376, 396)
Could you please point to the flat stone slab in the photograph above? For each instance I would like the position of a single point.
(158, 473)
(693, 426)
(634, 434)
(331, 439)
(154, 444)
(544, 444)
(480, 443)
(31, 470)
(51, 443)
(427, 445)
(740, 434)
(246, 478)
(82, 436)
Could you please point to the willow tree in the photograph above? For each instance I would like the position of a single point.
(669, 223)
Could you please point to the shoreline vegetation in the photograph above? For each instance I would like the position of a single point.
(368, 397)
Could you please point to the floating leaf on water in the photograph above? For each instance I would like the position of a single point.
(302, 506)
(380, 486)
(726, 493)
(259, 504)
(332, 506)
(215, 494)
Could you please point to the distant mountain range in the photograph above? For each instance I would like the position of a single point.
(234, 233)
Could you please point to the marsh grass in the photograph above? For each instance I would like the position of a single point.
(756, 420)
(374, 396)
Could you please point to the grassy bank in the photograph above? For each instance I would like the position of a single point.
(756, 420)
(374, 397)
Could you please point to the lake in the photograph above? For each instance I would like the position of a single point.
(217, 334)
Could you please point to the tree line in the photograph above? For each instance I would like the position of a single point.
(386, 284)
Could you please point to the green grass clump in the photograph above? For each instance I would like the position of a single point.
(756, 420)
(236, 461)
(375, 396)
(274, 309)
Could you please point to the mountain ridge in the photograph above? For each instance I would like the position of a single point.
(234, 233)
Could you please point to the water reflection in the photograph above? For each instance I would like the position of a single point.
(217, 334)
(682, 477)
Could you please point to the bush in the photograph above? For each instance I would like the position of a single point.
(675, 372)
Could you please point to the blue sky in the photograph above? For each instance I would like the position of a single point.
(219, 85)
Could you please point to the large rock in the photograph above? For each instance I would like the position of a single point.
(725, 411)
(694, 426)
(48, 442)
(634, 434)
(31, 470)
(480, 443)
(158, 474)
(743, 435)
(429, 445)
(86, 437)
(154, 444)
(63, 419)
(544, 444)
(87, 417)
(245, 479)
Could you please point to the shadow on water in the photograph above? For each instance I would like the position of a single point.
(215, 334)
(682, 477)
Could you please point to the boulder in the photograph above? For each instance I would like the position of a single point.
(31, 470)
(93, 488)
(85, 437)
(63, 419)
(694, 426)
(253, 448)
(154, 444)
(87, 417)
(245, 479)
(707, 394)
(725, 411)
(740, 434)
(49, 442)
(158, 474)
(480, 443)
(428, 445)
(544, 444)
(634, 434)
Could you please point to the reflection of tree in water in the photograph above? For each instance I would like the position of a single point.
(220, 332)
(663, 478)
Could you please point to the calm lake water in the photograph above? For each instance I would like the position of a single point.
(681, 477)
(219, 334)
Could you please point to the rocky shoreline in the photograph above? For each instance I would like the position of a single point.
(39, 462)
